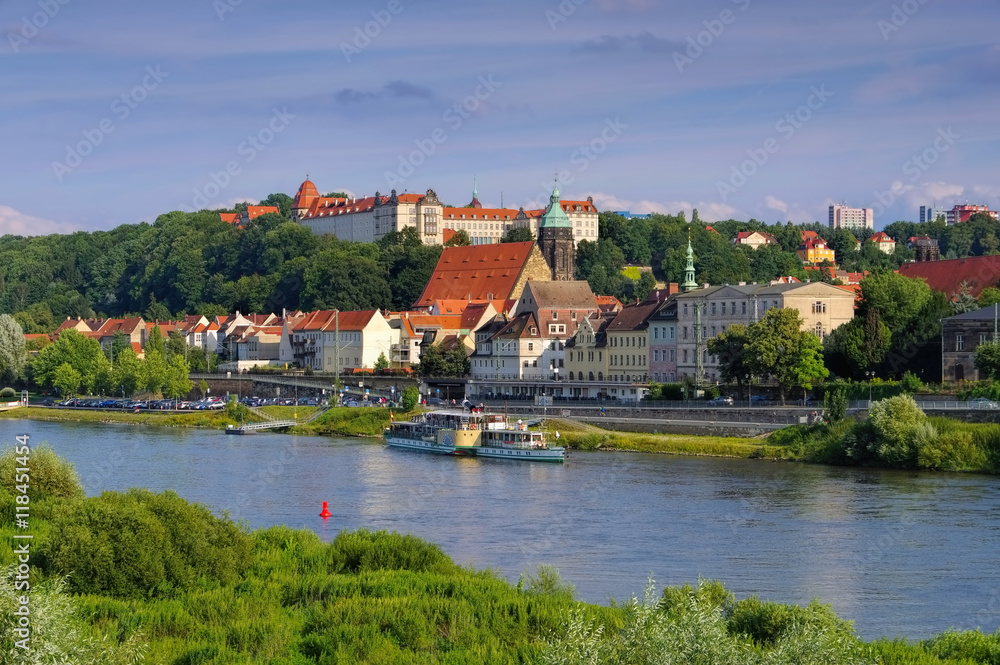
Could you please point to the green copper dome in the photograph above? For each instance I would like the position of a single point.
(555, 216)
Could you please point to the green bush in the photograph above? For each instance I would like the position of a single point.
(410, 398)
(49, 475)
(362, 550)
(139, 544)
(7, 395)
(900, 425)
(548, 582)
(835, 404)
(954, 451)
(767, 623)
(971, 645)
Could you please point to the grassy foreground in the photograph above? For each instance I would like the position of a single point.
(139, 577)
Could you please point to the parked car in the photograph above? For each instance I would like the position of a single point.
(982, 403)
(435, 401)
(721, 400)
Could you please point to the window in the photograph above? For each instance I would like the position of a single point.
(685, 332)
(685, 309)
(559, 329)
(982, 338)
(531, 346)
(656, 356)
(959, 342)
(671, 329)
(671, 352)
(743, 308)
(555, 316)
(685, 355)
(534, 363)
(656, 333)
(733, 310)
(573, 316)
(819, 307)
(713, 309)
(534, 330)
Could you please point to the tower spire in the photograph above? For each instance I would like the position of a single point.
(689, 281)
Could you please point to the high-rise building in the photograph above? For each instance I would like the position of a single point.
(842, 217)
(960, 214)
(931, 213)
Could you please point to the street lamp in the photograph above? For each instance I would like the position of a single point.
(749, 378)
(870, 375)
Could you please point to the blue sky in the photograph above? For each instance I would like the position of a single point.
(115, 112)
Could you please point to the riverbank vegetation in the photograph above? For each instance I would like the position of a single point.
(140, 577)
(577, 436)
(898, 435)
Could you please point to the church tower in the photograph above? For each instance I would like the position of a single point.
(690, 284)
(555, 240)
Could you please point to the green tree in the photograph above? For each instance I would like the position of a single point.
(435, 361)
(963, 301)
(155, 342)
(81, 353)
(381, 363)
(13, 356)
(156, 311)
(731, 350)
(203, 388)
(175, 345)
(410, 398)
(119, 342)
(459, 239)
(989, 296)
(863, 344)
(128, 373)
(988, 359)
(177, 382)
(154, 370)
(67, 380)
(518, 234)
(779, 347)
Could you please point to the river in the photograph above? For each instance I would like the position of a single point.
(900, 554)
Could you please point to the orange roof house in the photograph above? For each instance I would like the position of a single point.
(484, 273)
(229, 217)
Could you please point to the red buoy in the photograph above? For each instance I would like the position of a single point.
(326, 511)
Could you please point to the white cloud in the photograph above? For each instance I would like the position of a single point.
(17, 223)
(776, 204)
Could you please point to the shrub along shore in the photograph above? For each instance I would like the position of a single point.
(140, 577)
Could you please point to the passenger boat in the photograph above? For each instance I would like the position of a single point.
(472, 434)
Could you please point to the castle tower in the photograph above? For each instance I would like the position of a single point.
(555, 240)
(304, 199)
(475, 195)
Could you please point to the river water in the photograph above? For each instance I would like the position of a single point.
(900, 554)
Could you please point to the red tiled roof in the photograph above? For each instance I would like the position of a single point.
(229, 217)
(257, 211)
(881, 237)
(479, 213)
(586, 206)
(479, 272)
(806, 235)
(946, 276)
(327, 320)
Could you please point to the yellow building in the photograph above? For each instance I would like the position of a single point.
(815, 251)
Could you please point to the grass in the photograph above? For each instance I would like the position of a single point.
(211, 419)
(587, 437)
(288, 412)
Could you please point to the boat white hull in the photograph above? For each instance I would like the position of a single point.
(524, 455)
(424, 446)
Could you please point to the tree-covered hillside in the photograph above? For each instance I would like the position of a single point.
(185, 263)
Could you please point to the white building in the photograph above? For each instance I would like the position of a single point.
(842, 217)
